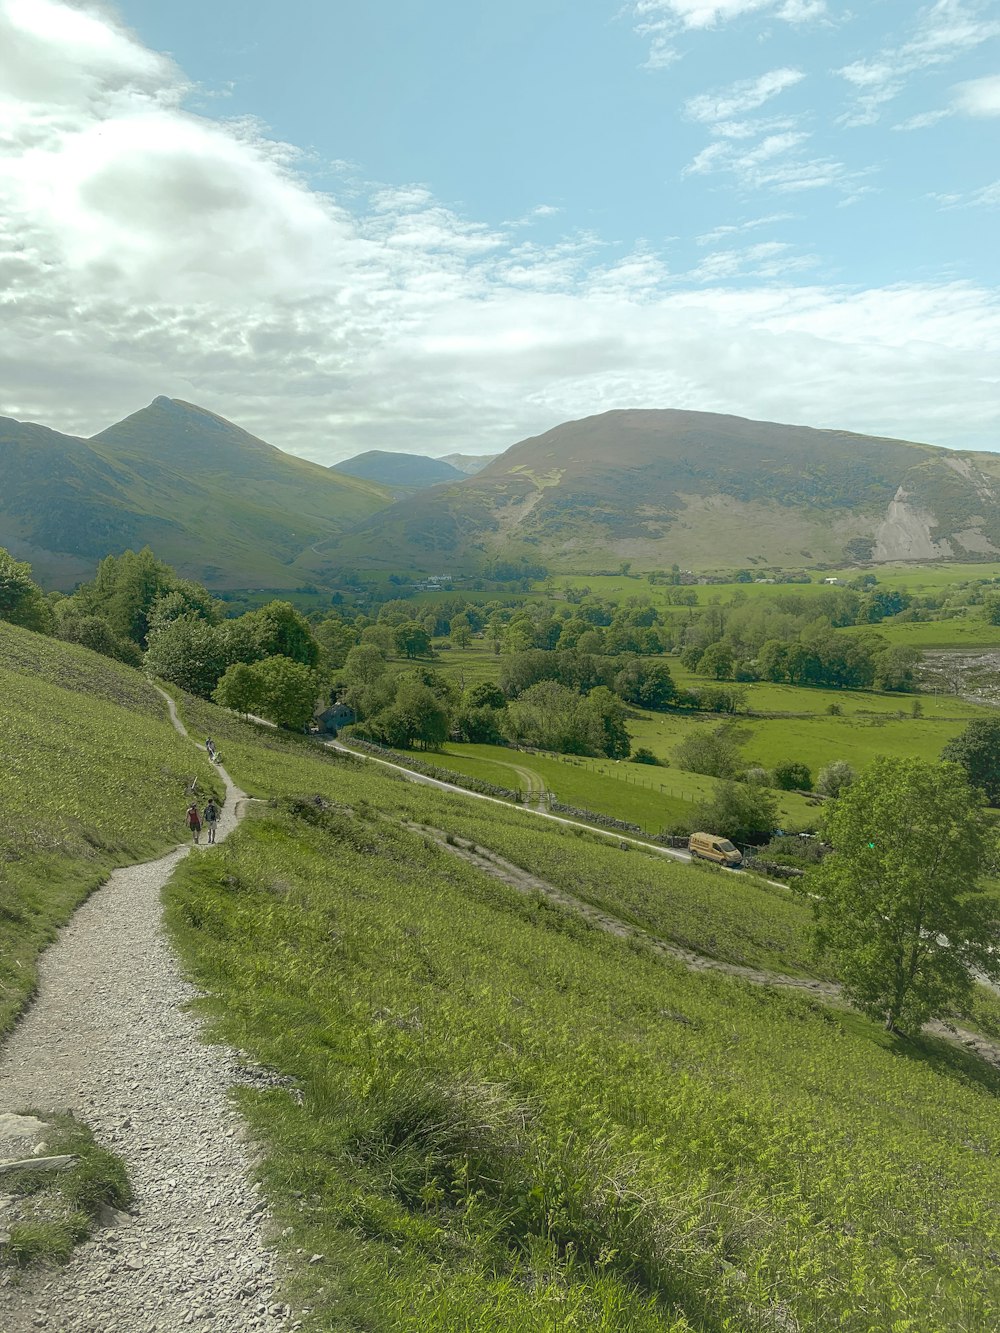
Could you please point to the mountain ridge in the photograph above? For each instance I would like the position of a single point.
(707, 490)
(213, 500)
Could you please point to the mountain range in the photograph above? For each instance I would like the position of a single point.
(700, 489)
(653, 487)
(212, 500)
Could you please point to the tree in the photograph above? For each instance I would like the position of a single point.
(790, 775)
(977, 749)
(645, 683)
(336, 639)
(894, 668)
(882, 602)
(742, 811)
(188, 652)
(239, 689)
(602, 716)
(95, 633)
(486, 695)
(22, 602)
(710, 752)
(717, 661)
(124, 591)
(412, 639)
(425, 714)
(897, 904)
(288, 691)
(835, 778)
(282, 631)
(185, 598)
(460, 630)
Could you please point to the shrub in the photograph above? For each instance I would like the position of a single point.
(835, 778)
(790, 775)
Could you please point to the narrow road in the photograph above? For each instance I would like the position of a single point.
(111, 1038)
(675, 853)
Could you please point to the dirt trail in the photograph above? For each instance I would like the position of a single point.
(111, 1037)
(525, 882)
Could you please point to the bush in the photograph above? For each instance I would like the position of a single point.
(743, 812)
(792, 776)
(645, 756)
(709, 752)
(835, 778)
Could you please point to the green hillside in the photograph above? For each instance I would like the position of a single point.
(700, 489)
(513, 1118)
(402, 474)
(215, 502)
(94, 776)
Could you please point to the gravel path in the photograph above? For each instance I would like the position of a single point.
(109, 1038)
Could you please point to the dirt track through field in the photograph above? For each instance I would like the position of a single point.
(111, 1038)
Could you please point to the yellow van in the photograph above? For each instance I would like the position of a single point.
(710, 847)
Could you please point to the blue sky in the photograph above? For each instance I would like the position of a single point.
(440, 226)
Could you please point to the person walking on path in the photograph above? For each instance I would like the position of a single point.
(210, 747)
(211, 818)
(194, 821)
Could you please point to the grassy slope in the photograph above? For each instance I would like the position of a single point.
(510, 1121)
(94, 777)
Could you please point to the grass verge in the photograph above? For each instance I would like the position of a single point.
(51, 1212)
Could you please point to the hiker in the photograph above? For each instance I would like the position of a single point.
(194, 821)
(211, 818)
(210, 747)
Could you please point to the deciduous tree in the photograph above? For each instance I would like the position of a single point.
(898, 904)
(977, 749)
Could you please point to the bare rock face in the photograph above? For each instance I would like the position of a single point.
(905, 533)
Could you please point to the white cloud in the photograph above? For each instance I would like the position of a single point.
(987, 196)
(728, 230)
(777, 162)
(941, 33)
(924, 120)
(746, 95)
(663, 21)
(769, 260)
(979, 97)
(145, 250)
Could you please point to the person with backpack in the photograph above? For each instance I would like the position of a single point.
(211, 818)
(194, 821)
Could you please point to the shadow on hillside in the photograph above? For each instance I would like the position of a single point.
(948, 1059)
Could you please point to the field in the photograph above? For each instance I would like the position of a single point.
(868, 724)
(512, 1120)
(94, 777)
(912, 578)
(648, 796)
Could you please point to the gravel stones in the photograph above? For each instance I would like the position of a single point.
(111, 1038)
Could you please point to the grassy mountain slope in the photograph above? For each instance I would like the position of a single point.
(704, 490)
(400, 473)
(511, 1120)
(217, 503)
(94, 777)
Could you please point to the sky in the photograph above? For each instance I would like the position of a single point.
(436, 226)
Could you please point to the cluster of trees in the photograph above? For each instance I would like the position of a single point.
(139, 611)
(422, 707)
